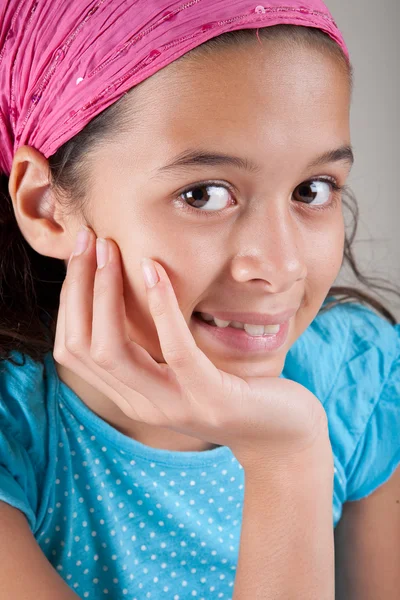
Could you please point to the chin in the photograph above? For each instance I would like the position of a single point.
(271, 366)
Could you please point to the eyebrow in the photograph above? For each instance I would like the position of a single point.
(199, 158)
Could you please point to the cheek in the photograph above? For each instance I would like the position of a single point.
(188, 268)
(325, 256)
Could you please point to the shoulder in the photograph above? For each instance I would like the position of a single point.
(27, 428)
(346, 347)
(23, 394)
(359, 355)
(349, 357)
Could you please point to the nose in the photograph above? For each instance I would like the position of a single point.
(270, 249)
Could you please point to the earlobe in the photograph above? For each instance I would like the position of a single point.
(35, 207)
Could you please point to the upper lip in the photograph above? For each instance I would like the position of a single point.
(254, 318)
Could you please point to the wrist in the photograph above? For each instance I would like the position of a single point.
(313, 462)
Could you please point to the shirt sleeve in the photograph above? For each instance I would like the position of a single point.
(17, 477)
(23, 425)
(377, 454)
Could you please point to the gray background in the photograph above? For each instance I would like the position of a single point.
(370, 29)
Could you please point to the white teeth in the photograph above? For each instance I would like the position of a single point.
(221, 323)
(237, 325)
(271, 328)
(261, 329)
(253, 330)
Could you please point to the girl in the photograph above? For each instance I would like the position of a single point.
(187, 405)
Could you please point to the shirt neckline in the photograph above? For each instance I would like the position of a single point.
(121, 442)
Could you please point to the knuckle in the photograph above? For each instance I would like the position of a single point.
(73, 345)
(178, 356)
(74, 282)
(100, 289)
(103, 357)
(157, 307)
(60, 355)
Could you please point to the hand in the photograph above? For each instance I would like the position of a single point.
(187, 393)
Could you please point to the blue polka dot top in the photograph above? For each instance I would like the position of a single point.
(120, 519)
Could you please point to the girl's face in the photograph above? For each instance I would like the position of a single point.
(260, 233)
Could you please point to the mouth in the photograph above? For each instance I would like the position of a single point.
(238, 337)
(250, 329)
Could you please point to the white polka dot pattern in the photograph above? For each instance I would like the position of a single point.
(117, 518)
(123, 524)
(131, 523)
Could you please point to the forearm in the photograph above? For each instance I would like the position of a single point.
(286, 545)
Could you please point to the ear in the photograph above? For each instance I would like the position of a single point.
(37, 211)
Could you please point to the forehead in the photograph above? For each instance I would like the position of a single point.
(254, 95)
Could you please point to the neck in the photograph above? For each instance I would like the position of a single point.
(149, 435)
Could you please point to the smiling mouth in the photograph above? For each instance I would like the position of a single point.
(252, 330)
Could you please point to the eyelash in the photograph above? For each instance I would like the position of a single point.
(336, 189)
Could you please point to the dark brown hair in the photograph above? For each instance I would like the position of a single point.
(30, 283)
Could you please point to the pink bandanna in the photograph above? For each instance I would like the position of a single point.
(62, 62)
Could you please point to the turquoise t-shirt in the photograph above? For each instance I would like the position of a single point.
(119, 519)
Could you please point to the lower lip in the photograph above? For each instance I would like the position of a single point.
(239, 339)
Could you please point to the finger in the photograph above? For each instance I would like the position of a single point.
(111, 347)
(59, 338)
(92, 374)
(109, 328)
(191, 366)
(79, 299)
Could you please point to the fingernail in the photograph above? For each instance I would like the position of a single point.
(149, 272)
(82, 241)
(101, 252)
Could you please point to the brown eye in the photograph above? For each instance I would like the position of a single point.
(207, 197)
(314, 192)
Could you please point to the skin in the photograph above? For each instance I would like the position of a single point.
(266, 251)
(280, 108)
